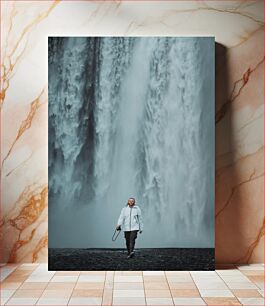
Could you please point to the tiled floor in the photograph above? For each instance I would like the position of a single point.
(33, 284)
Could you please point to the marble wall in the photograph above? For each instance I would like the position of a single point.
(238, 27)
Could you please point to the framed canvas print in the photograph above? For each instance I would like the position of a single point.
(131, 153)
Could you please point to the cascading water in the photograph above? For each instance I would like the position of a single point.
(131, 117)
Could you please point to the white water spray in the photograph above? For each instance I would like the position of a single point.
(131, 117)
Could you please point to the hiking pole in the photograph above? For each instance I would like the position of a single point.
(114, 237)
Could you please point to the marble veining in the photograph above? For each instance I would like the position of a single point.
(238, 27)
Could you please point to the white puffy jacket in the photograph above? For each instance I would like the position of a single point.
(131, 218)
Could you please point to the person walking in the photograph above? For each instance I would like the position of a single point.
(131, 222)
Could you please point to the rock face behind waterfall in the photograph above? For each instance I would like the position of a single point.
(131, 117)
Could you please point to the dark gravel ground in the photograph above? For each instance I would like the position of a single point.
(144, 260)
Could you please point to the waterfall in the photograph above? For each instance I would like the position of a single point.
(131, 117)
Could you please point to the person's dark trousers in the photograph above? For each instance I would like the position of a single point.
(130, 237)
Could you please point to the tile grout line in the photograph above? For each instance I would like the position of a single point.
(172, 298)
(197, 287)
(112, 290)
(113, 286)
(73, 288)
(112, 293)
(142, 273)
(218, 289)
(233, 292)
(102, 297)
(15, 290)
(234, 268)
(44, 288)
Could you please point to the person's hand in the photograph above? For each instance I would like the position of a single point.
(140, 232)
(118, 227)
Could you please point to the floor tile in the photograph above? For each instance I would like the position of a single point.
(128, 279)
(43, 265)
(159, 301)
(246, 293)
(28, 293)
(22, 301)
(203, 273)
(255, 278)
(189, 301)
(29, 266)
(20, 272)
(42, 272)
(154, 278)
(128, 273)
(89, 285)
(85, 301)
(56, 294)
(251, 301)
(129, 286)
(146, 273)
(94, 272)
(10, 285)
(216, 293)
(60, 286)
(261, 292)
(156, 285)
(260, 285)
(109, 285)
(128, 301)
(16, 278)
(206, 276)
(6, 271)
(233, 272)
(211, 285)
(3, 300)
(177, 285)
(179, 278)
(235, 278)
(217, 301)
(53, 301)
(67, 273)
(7, 293)
(241, 285)
(253, 272)
(128, 293)
(32, 286)
(107, 297)
(176, 273)
(91, 278)
(64, 279)
(110, 274)
(185, 293)
(39, 278)
(87, 293)
(157, 293)
(250, 267)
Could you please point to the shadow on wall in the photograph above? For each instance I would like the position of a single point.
(221, 135)
(227, 229)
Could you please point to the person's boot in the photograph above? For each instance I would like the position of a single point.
(131, 250)
(132, 243)
(128, 247)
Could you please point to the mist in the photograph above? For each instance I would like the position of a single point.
(131, 117)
